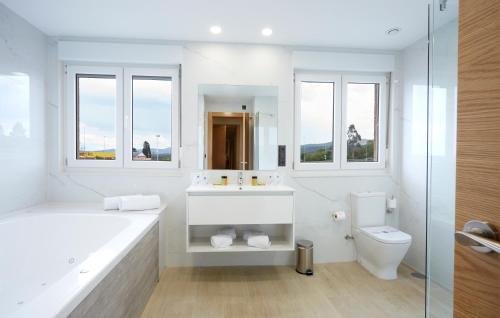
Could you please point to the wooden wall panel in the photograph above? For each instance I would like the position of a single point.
(125, 291)
(477, 276)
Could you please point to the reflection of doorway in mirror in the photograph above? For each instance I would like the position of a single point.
(229, 141)
(258, 131)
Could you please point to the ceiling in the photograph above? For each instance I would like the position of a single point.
(319, 23)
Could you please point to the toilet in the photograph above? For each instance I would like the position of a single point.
(380, 248)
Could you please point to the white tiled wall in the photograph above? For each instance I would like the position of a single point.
(22, 113)
(442, 147)
(317, 197)
(412, 218)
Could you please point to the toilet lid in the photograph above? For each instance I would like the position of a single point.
(386, 234)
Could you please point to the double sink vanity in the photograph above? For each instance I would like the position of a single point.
(211, 207)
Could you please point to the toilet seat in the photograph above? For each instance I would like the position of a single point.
(386, 234)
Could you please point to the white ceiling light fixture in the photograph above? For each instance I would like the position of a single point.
(267, 31)
(215, 29)
(393, 31)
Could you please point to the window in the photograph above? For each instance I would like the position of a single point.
(316, 120)
(364, 116)
(334, 135)
(317, 105)
(95, 118)
(122, 117)
(151, 118)
(151, 134)
(362, 122)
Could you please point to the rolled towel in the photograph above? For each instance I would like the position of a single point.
(260, 241)
(231, 231)
(248, 233)
(112, 203)
(139, 203)
(221, 240)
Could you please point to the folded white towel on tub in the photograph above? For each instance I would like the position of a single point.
(231, 231)
(139, 203)
(260, 241)
(248, 233)
(221, 240)
(112, 203)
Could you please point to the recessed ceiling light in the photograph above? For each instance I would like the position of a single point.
(393, 31)
(267, 32)
(215, 29)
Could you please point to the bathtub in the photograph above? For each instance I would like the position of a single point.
(52, 257)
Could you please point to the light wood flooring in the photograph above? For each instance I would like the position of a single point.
(335, 290)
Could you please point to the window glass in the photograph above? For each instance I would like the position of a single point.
(151, 118)
(316, 122)
(362, 122)
(96, 116)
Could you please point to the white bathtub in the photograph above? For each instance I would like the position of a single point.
(51, 257)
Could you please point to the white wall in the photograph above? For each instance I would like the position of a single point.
(22, 104)
(316, 197)
(412, 218)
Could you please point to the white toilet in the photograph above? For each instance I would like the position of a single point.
(380, 248)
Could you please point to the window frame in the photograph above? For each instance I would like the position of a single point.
(123, 118)
(382, 120)
(336, 129)
(72, 115)
(129, 73)
(341, 79)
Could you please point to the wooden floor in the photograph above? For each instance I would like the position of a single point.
(335, 290)
(441, 301)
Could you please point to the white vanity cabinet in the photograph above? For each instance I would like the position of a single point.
(266, 208)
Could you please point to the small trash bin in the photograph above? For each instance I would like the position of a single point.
(304, 257)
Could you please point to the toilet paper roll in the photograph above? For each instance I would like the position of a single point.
(392, 203)
(339, 216)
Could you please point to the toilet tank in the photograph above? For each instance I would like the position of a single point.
(368, 209)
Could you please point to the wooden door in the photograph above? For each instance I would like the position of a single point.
(219, 147)
(239, 142)
(477, 276)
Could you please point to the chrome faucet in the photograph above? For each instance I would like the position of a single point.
(240, 178)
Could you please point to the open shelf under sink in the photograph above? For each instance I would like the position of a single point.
(200, 245)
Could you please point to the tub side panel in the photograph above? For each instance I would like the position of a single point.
(125, 291)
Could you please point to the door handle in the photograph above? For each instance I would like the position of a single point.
(243, 165)
(480, 236)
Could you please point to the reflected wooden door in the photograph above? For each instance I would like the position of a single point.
(477, 276)
(219, 147)
(232, 130)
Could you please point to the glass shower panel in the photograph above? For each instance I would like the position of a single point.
(441, 158)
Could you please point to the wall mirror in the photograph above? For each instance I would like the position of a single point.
(238, 127)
